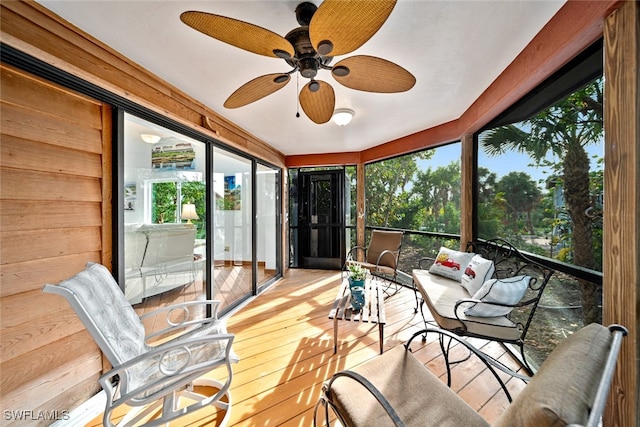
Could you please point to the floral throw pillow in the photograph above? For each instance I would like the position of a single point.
(478, 271)
(450, 263)
(503, 291)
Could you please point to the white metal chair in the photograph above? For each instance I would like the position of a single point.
(145, 376)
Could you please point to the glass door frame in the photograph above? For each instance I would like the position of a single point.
(118, 188)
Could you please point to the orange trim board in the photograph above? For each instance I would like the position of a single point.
(323, 159)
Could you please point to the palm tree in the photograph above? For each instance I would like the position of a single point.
(521, 195)
(564, 129)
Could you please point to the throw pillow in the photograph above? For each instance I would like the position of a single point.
(477, 272)
(450, 263)
(503, 291)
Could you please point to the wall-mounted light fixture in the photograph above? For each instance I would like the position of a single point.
(343, 116)
(149, 138)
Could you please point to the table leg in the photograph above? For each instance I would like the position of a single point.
(381, 331)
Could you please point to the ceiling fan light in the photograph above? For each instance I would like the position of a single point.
(149, 138)
(340, 71)
(281, 78)
(325, 47)
(343, 116)
(281, 54)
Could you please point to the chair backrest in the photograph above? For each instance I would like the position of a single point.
(382, 240)
(103, 309)
(572, 383)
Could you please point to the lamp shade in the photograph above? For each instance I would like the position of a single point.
(343, 116)
(189, 212)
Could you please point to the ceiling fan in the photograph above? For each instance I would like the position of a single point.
(336, 27)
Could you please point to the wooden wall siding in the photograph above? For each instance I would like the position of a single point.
(51, 225)
(33, 29)
(621, 257)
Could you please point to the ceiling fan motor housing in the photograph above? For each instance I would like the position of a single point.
(304, 12)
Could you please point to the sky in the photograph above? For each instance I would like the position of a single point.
(501, 165)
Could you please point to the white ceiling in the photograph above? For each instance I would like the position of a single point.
(455, 49)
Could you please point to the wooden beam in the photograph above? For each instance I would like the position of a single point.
(323, 159)
(467, 208)
(621, 246)
(361, 207)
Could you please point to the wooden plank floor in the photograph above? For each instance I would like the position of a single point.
(285, 343)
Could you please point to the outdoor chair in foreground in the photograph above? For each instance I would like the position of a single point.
(396, 389)
(154, 382)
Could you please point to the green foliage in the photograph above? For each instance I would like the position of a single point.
(387, 191)
(357, 272)
(164, 205)
(195, 192)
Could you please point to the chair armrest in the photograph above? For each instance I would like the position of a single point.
(371, 389)
(425, 263)
(187, 309)
(355, 249)
(394, 254)
(169, 364)
(477, 301)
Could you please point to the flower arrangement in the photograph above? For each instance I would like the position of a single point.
(357, 272)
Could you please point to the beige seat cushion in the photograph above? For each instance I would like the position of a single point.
(561, 391)
(374, 268)
(418, 396)
(441, 294)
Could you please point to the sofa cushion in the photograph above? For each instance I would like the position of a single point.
(478, 271)
(508, 291)
(450, 263)
(441, 295)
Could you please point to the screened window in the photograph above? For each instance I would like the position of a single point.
(540, 186)
(419, 193)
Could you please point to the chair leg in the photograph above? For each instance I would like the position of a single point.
(415, 294)
(171, 405)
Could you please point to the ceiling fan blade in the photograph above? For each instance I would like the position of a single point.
(341, 26)
(372, 74)
(318, 105)
(257, 89)
(239, 33)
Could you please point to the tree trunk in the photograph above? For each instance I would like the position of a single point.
(576, 193)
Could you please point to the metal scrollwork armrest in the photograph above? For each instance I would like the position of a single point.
(394, 254)
(355, 249)
(425, 263)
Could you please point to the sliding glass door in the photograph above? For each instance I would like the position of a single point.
(232, 269)
(194, 213)
(164, 210)
(267, 223)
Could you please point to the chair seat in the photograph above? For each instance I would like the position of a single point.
(441, 294)
(405, 382)
(373, 267)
